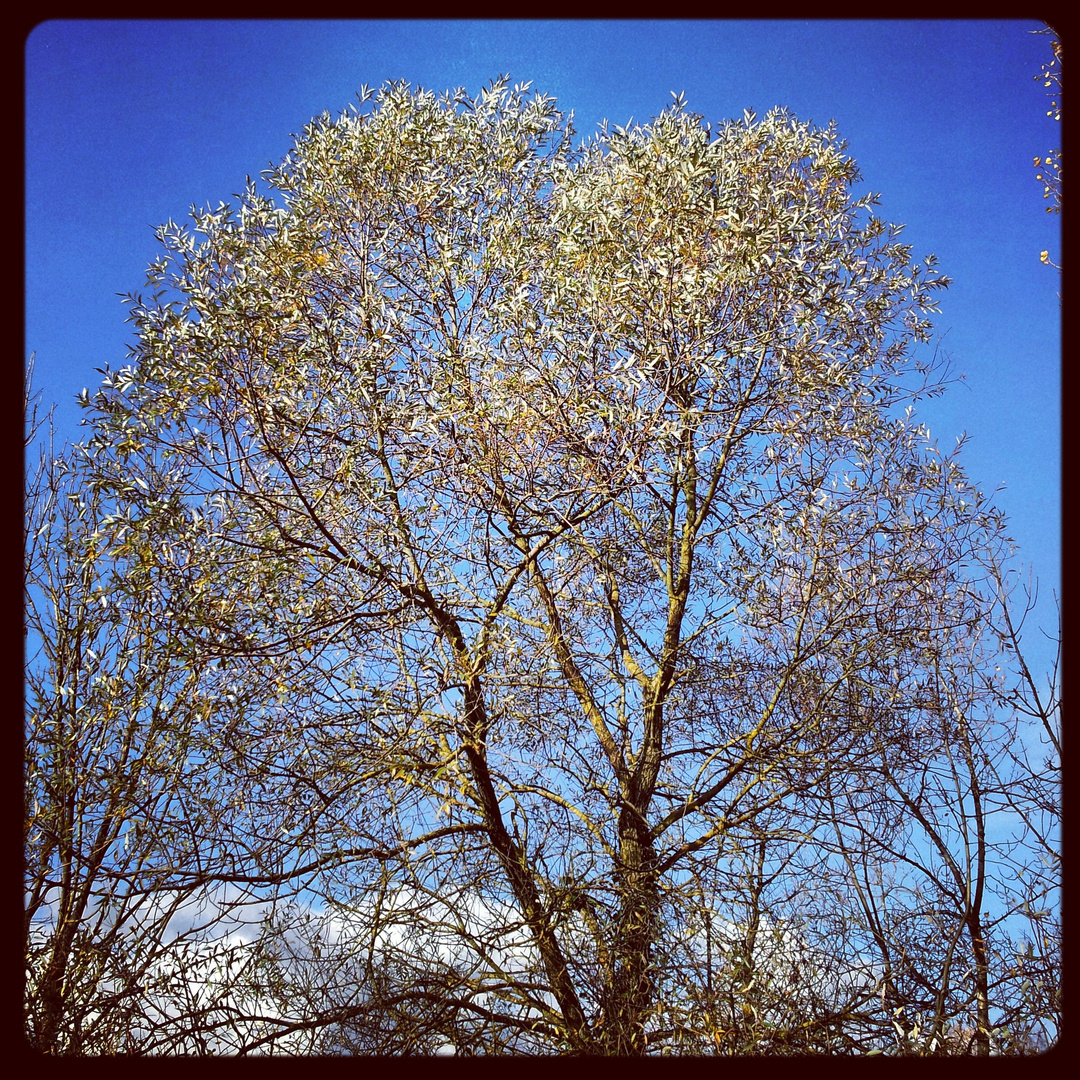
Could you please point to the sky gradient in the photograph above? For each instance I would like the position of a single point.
(129, 123)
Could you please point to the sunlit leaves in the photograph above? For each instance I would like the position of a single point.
(550, 524)
(1048, 166)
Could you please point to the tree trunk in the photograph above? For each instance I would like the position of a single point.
(630, 996)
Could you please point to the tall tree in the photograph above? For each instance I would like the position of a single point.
(563, 521)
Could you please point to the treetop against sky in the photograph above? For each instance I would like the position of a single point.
(943, 118)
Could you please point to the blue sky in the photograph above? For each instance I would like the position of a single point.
(128, 123)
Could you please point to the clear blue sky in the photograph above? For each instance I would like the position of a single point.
(129, 123)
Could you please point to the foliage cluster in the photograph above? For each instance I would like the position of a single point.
(1048, 166)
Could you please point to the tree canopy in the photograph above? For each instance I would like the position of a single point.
(547, 612)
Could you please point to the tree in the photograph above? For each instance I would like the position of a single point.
(1033, 954)
(109, 785)
(562, 523)
(128, 796)
(1048, 166)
